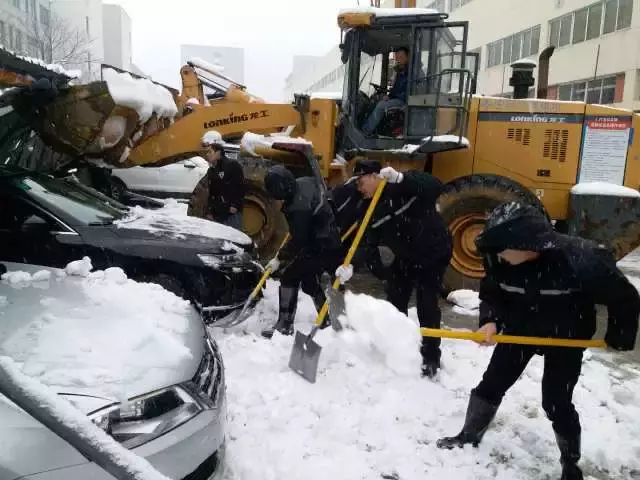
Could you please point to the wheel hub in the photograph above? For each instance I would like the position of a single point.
(466, 258)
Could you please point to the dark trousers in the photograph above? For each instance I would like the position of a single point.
(402, 278)
(305, 273)
(562, 368)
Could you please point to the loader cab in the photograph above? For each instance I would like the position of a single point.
(440, 78)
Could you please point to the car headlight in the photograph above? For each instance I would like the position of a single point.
(145, 418)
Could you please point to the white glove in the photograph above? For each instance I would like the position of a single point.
(344, 273)
(273, 264)
(391, 175)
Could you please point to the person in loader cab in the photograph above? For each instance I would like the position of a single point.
(406, 221)
(545, 284)
(397, 96)
(226, 184)
(313, 247)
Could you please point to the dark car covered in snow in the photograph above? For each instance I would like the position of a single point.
(52, 222)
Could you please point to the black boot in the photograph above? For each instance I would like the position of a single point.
(569, 456)
(430, 351)
(288, 299)
(479, 416)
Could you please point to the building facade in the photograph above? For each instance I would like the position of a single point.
(116, 27)
(18, 20)
(597, 55)
(230, 58)
(302, 64)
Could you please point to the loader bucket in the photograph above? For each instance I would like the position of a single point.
(72, 120)
(608, 219)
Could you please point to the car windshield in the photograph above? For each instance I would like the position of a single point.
(64, 195)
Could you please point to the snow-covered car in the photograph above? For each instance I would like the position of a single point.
(174, 180)
(134, 358)
(47, 221)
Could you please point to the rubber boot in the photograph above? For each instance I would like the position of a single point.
(479, 416)
(430, 358)
(569, 456)
(288, 299)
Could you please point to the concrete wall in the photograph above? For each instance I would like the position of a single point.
(231, 58)
(85, 16)
(116, 25)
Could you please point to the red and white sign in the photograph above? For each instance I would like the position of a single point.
(604, 149)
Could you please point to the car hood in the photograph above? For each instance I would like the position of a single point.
(99, 339)
(164, 223)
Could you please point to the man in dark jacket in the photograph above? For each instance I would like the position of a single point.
(313, 247)
(407, 222)
(397, 95)
(226, 184)
(541, 283)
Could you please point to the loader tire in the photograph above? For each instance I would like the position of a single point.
(263, 221)
(464, 206)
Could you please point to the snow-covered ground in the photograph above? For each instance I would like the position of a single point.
(371, 416)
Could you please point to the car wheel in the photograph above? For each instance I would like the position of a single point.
(168, 282)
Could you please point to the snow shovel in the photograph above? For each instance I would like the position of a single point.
(242, 315)
(306, 353)
(542, 341)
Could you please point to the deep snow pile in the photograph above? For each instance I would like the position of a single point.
(172, 220)
(371, 416)
(64, 337)
(466, 302)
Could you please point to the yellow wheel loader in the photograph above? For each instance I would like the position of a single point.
(486, 150)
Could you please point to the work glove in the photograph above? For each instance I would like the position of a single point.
(391, 175)
(344, 273)
(273, 264)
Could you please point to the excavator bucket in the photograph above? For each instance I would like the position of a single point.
(613, 220)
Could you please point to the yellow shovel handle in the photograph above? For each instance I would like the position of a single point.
(267, 271)
(354, 246)
(547, 342)
(348, 233)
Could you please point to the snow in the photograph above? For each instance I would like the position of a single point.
(327, 95)
(54, 67)
(466, 302)
(67, 340)
(525, 63)
(80, 268)
(203, 64)
(447, 139)
(170, 220)
(140, 94)
(16, 278)
(389, 12)
(603, 188)
(371, 416)
(66, 413)
(250, 141)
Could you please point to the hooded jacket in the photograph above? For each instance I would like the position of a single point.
(226, 188)
(311, 221)
(556, 294)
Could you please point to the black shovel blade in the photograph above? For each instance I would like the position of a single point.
(305, 356)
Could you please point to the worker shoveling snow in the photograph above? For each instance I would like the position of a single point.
(371, 416)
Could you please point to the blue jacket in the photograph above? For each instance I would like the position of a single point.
(399, 88)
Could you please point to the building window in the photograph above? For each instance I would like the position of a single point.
(34, 12)
(514, 47)
(458, 3)
(3, 33)
(590, 22)
(12, 44)
(16, 3)
(44, 16)
(438, 5)
(600, 91)
(18, 42)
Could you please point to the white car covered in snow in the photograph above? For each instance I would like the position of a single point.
(174, 180)
(134, 358)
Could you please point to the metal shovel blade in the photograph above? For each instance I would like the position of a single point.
(305, 356)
